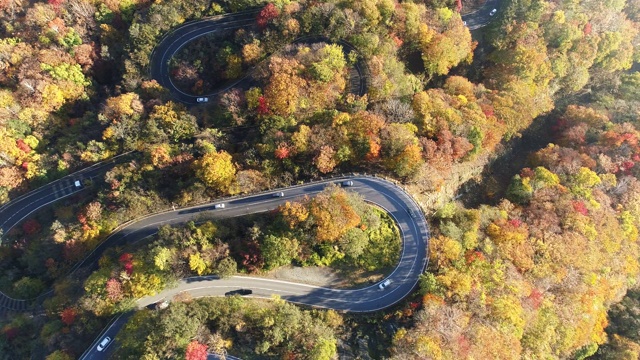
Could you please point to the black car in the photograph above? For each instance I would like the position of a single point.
(239, 292)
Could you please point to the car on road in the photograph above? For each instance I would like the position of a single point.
(77, 184)
(202, 99)
(384, 284)
(347, 183)
(103, 344)
(239, 292)
(159, 305)
(464, 23)
(493, 12)
(278, 194)
(218, 206)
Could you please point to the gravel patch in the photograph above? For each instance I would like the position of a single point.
(312, 275)
(325, 276)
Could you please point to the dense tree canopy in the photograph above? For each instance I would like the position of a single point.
(530, 276)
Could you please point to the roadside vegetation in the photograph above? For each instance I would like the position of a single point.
(531, 275)
(249, 329)
(335, 228)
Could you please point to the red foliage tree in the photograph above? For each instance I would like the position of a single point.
(68, 316)
(268, 13)
(515, 223)
(114, 289)
(125, 258)
(23, 146)
(473, 256)
(252, 258)
(10, 332)
(196, 351)
(580, 207)
(487, 110)
(128, 267)
(82, 219)
(282, 152)
(536, 298)
(56, 3)
(31, 226)
(527, 173)
(263, 107)
(464, 345)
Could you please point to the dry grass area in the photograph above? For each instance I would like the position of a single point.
(326, 276)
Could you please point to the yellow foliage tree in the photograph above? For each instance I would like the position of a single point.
(216, 170)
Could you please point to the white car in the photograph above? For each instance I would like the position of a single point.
(103, 344)
(218, 206)
(278, 194)
(493, 12)
(347, 183)
(384, 284)
(202, 99)
(77, 183)
(465, 23)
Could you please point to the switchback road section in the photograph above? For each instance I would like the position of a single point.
(391, 198)
(182, 35)
(385, 194)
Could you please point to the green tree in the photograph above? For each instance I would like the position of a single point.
(353, 242)
(173, 120)
(28, 287)
(59, 355)
(227, 267)
(278, 251)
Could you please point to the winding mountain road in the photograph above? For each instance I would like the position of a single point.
(385, 194)
(382, 193)
(176, 39)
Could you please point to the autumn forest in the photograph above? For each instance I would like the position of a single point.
(519, 140)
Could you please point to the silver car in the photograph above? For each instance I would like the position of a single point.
(202, 99)
(384, 284)
(103, 344)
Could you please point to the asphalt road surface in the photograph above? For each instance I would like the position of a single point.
(381, 192)
(406, 213)
(20, 208)
(482, 16)
(182, 35)
(92, 353)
